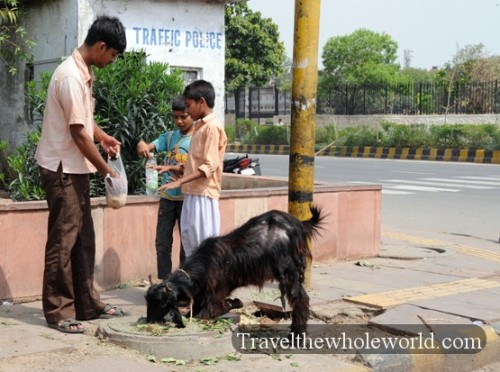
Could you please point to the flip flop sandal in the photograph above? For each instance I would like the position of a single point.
(64, 326)
(116, 314)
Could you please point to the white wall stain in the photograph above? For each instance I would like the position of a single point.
(304, 106)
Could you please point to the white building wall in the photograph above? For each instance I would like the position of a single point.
(185, 34)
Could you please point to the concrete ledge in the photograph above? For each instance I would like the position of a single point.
(404, 153)
(125, 238)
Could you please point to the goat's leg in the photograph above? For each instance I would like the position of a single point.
(214, 306)
(299, 301)
(177, 319)
(283, 290)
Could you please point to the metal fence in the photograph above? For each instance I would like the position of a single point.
(412, 99)
(400, 99)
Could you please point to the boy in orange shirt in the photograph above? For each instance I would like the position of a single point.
(202, 178)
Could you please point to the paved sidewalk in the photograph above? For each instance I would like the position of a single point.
(417, 281)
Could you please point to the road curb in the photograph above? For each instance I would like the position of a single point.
(420, 362)
(402, 153)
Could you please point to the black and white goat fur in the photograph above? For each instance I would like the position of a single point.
(271, 246)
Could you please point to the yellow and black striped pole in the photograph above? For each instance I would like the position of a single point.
(303, 121)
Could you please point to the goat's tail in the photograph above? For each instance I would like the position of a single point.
(315, 223)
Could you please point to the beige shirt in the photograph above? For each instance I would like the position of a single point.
(69, 101)
(206, 153)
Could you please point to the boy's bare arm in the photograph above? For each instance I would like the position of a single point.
(86, 145)
(144, 149)
(110, 144)
(177, 183)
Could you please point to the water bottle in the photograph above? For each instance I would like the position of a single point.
(151, 176)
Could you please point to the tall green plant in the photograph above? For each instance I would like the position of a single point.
(133, 102)
(14, 41)
(246, 131)
(26, 183)
(272, 135)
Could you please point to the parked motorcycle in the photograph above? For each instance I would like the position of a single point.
(242, 164)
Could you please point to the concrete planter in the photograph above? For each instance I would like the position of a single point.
(125, 237)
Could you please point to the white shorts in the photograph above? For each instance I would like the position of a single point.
(200, 219)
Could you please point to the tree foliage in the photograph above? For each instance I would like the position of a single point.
(254, 53)
(363, 57)
(14, 41)
(419, 75)
(471, 63)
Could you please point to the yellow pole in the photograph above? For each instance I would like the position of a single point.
(303, 121)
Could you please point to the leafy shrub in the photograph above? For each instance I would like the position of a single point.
(272, 135)
(483, 136)
(449, 136)
(402, 135)
(230, 133)
(359, 136)
(133, 102)
(26, 183)
(326, 134)
(3, 165)
(246, 131)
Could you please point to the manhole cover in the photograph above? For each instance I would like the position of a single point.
(200, 339)
(409, 252)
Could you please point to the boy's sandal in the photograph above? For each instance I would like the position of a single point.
(117, 313)
(66, 324)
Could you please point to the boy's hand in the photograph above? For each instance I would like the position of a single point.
(111, 145)
(142, 149)
(160, 168)
(170, 185)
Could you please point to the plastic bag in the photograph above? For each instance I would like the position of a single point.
(116, 187)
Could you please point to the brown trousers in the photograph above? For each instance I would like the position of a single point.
(68, 278)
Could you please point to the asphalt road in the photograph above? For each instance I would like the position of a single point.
(427, 196)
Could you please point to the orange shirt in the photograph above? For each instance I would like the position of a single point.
(206, 154)
(69, 101)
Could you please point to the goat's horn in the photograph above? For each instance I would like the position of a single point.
(169, 286)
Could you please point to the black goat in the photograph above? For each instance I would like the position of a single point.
(271, 246)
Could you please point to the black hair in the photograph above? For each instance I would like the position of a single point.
(108, 30)
(178, 103)
(199, 89)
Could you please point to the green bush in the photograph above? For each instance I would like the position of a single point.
(483, 136)
(26, 183)
(326, 134)
(230, 133)
(3, 165)
(272, 135)
(246, 131)
(449, 136)
(402, 135)
(359, 136)
(133, 102)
